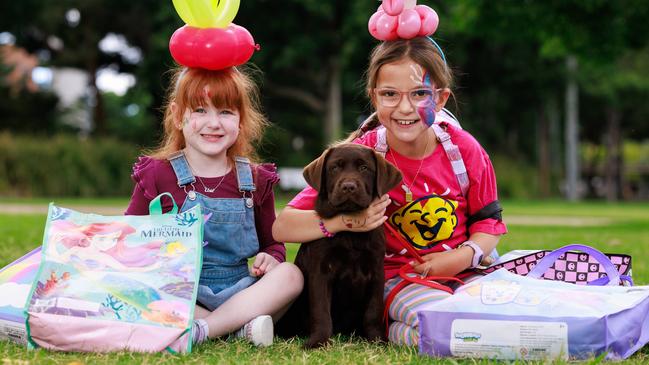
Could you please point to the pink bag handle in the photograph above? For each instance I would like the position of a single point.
(549, 259)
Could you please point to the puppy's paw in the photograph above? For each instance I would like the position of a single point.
(375, 335)
(315, 342)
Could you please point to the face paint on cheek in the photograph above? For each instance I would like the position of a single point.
(427, 112)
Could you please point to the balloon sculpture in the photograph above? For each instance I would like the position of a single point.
(403, 19)
(209, 39)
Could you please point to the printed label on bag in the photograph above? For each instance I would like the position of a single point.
(13, 331)
(509, 340)
(68, 303)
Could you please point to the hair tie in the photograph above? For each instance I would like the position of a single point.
(209, 39)
(403, 19)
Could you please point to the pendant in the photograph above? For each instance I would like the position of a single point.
(406, 189)
(249, 202)
(208, 190)
(191, 195)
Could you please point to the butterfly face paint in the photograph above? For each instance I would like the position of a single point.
(426, 111)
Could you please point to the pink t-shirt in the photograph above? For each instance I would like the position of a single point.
(152, 177)
(436, 218)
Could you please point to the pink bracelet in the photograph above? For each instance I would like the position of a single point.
(324, 229)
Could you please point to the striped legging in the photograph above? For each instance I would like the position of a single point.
(404, 323)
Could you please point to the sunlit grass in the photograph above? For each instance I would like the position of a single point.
(626, 231)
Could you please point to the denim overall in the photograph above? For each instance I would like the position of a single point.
(230, 235)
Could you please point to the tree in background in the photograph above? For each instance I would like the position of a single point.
(310, 53)
(67, 33)
(509, 58)
(517, 54)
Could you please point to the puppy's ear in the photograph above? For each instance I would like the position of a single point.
(387, 176)
(313, 172)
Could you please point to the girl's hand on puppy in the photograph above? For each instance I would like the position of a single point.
(368, 219)
(263, 264)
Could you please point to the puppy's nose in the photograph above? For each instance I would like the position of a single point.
(348, 187)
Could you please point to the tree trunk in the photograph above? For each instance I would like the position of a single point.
(572, 130)
(334, 112)
(543, 143)
(97, 103)
(613, 171)
(556, 145)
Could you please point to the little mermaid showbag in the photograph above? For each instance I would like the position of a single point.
(116, 283)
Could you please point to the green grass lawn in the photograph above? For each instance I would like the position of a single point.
(622, 228)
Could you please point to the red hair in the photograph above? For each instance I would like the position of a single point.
(229, 88)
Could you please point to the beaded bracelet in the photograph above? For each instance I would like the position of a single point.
(324, 229)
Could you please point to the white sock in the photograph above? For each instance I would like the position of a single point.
(200, 331)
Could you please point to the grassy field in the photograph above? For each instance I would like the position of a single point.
(620, 228)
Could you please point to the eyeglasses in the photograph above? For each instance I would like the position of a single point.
(421, 97)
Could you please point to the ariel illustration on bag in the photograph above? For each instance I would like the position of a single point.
(101, 246)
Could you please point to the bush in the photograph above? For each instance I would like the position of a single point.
(516, 179)
(65, 166)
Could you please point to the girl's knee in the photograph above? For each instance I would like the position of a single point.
(291, 276)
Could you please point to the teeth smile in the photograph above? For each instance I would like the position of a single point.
(406, 122)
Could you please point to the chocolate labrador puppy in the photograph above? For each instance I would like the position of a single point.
(343, 275)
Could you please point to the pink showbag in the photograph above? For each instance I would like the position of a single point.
(116, 283)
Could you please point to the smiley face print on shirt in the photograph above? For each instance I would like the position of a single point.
(426, 221)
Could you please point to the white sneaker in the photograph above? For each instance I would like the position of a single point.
(259, 331)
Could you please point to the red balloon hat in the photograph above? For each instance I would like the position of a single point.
(210, 40)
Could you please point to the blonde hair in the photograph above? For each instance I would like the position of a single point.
(421, 50)
(230, 88)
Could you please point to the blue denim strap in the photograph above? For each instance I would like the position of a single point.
(181, 168)
(244, 174)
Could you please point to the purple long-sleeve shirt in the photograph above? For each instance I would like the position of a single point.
(153, 177)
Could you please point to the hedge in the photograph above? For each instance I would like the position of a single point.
(65, 166)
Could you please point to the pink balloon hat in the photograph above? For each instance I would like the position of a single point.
(402, 19)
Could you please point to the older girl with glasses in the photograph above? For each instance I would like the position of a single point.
(446, 208)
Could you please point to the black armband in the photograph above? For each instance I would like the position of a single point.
(492, 210)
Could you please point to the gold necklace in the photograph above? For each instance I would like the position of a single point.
(407, 188)
(210, 190)
(205, 188)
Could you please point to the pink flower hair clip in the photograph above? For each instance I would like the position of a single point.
(403, 19)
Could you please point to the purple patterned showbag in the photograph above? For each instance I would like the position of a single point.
(518, 317)
(512, 317)
(576, 264)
